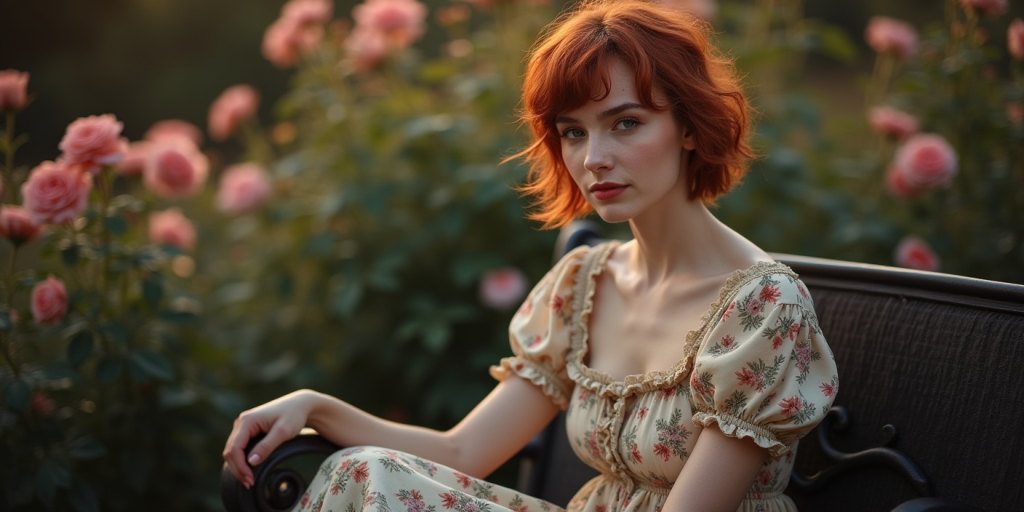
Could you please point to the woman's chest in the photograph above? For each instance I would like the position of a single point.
(650, 435)
(632, 334)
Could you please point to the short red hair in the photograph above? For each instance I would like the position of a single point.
(667, 49)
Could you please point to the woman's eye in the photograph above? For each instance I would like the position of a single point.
(627, 124)
(572, 133)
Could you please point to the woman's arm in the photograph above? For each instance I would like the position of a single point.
(493, 432)
(717, 475)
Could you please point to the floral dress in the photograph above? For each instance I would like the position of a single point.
(758, 367)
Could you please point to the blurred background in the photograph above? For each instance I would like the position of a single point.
(328, 210)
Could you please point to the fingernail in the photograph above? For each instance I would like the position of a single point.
(254, 458)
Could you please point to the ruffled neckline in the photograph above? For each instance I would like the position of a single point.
(583, 305)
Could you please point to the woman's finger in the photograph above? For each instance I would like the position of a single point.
(234, 451)
(277, 435)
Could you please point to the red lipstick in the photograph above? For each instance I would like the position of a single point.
(605, 191)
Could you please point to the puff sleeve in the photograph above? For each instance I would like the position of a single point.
(539, 332)
(764, 370)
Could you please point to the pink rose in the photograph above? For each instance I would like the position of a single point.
(49, 301)
(13, 85)
(308, 12)
(366, 48)
(42, 405)
(1015, 112)
(56, 192)
(925, 161)
(171, 227)
(171, 128)
(286, 38)
(986, 7)
(897, 184)
(94, 141)
(233, 106)
(912, 252)
(1015, 39)
(705, 9)
(888, 35)
(135, 158)
(175, 169)
(890, 122)
(502, 288)
(402, 21)
(243, 188)
(16, 225)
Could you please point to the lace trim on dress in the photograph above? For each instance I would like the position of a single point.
(535, 373)
(738, 428)
(583, 304)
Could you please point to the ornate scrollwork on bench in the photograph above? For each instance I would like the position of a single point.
(276, 489)
(838, 420)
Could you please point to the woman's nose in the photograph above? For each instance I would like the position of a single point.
(598, 158)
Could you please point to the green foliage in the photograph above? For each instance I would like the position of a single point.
(361, 277)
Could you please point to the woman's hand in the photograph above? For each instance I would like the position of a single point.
(281, 419)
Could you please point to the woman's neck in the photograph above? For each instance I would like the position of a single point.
(682, 239)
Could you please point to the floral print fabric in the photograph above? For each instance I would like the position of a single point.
(371, 479)
(758, 367)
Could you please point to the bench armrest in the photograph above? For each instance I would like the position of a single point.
(276, 489)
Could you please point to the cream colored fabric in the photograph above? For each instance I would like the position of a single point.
(758, 367)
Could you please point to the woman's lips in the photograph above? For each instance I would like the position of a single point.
(605, 193)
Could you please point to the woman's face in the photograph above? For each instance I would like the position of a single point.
(624, 157)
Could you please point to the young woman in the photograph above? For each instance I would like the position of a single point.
(680, 406)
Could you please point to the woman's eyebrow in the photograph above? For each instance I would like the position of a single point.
(603, 115)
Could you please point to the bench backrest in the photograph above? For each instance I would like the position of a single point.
(931, 370)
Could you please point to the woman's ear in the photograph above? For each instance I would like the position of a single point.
(688, 139)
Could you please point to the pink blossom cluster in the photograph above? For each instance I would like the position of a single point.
(925, 161)
(13, 89)
(989, 8)
(171, 227)
(1015, 39)
(890, 36)
(49, 301)
(382, 26)
(912, 252)
(93, 142)
(890, 122)
(235, 105)
(298, 31)
(503, 288)
(243, 188)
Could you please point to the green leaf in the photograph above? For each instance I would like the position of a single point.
(228, 403)
(80, 348)
(83, 498)
(151, 364)
(86, 448)
(152, 289)
(179, 317)
(436, 335)
(347, 294)
(116, 225)
(5, 319)
(115, 332)
(53, 473)
(69, 256)
(17, 394)
(109, 369)
(59, 370)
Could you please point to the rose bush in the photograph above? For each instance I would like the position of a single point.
(82, 413)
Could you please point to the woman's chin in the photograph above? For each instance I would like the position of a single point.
(614, 214)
